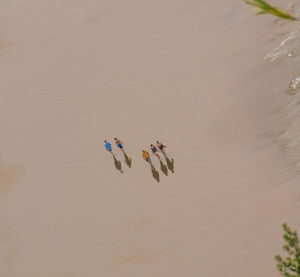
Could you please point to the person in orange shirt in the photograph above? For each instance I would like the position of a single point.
(146, 156)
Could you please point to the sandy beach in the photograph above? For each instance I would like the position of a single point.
(195, 75)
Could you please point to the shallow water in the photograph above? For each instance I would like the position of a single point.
(192, 75)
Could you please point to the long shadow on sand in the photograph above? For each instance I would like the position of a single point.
(118, 164)
(170, 164)
(155, 173)
(163, 168)
(127, 160)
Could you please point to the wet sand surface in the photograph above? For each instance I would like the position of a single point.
(190, 74)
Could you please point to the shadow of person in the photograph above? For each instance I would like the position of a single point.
(163, 168)
(118, 164)
(155, 173)
(170, 164)
(127, 160)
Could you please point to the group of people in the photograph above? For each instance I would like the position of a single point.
(146, 156)
(161, 147)
(119, 144)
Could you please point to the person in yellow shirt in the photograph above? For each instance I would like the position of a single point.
(146, 156)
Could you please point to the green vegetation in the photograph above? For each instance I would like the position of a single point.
(264, 8)
(290, 266)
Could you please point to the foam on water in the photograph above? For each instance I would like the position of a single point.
(289, 52)
(284, 48)
(294, 85)
(288, 46)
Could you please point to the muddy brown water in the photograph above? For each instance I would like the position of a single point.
(191, 74)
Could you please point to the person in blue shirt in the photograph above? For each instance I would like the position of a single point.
(107, 146)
